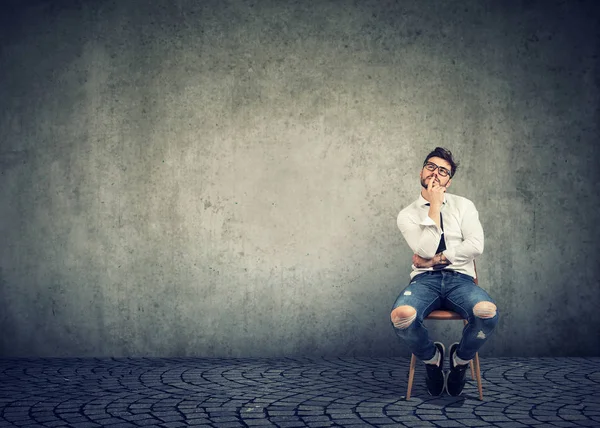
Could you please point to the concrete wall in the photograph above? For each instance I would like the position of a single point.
(223, 178)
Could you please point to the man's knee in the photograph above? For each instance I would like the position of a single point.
(485, 310)
(403, 316)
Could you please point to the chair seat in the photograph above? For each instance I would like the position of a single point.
(443, 315)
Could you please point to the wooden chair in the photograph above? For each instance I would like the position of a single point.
(443, 315)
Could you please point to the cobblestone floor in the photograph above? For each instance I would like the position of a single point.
(291, 392)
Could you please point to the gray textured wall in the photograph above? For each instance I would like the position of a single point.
(223, 178)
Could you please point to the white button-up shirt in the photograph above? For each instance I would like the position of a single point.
(463, 233)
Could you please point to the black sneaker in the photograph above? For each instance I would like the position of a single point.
(435, 375)
(456, 378)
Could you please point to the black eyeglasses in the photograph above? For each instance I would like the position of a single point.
(430, 166)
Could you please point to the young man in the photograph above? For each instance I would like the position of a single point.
(445, 235)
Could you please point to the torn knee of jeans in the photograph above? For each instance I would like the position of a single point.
(484, 310)
(403, 316)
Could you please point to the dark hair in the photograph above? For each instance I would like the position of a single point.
(445, 154)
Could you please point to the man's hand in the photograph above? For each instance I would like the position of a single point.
(437, 260)
(435, 192)
(420, 262)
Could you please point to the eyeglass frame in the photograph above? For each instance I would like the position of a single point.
(439, 168)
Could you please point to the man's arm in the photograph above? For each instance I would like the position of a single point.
(472, 244)
(435, 195)
(439, 260)
(421, 235)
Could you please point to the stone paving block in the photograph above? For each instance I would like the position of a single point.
(53, 424)
(432, 417)
(510, 425)
(337, 408)
(447, 423)
(253, 415)
(311, 408)
(84, 425)
(370, 414)
(465, 415)
(515, 414)
(121, 425)
(280, 413)
(315, 418)
(259, 423)
(495, 418)
(377, 421)
(290, 424)
(148, 422)
(119, 413)
(548, 418)
(399, 413)
(428, 412)
(173, 418)
(573, 417)
(14, 418)
(473, 422)
(224, 419)
(538, 412)
(230, 424)
(528, 421)
(348, 421)
(173, 424)
(405, 418)
(110, 420)
(311, 413)
(588, 423)
(563, 424)
(422, 424)
(139, 417)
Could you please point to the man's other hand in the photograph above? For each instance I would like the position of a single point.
(420, 262)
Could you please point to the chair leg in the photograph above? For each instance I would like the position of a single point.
(411, 375)
(465, 322)
(472, 365)
(478, 372)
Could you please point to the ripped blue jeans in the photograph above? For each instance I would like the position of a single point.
(448, 290)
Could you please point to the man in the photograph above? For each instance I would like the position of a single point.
(445, 235)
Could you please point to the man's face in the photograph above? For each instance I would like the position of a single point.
(427, 176)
